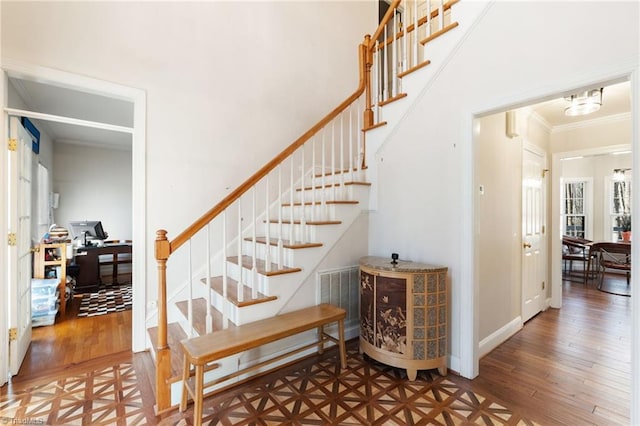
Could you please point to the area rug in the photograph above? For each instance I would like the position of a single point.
(615, 286)
(105, 301)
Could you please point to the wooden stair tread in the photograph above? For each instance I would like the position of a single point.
(393, 99)
(337, 172)
(200, 315)
(318, 203)
(175, 334)
(414, 68)
(310, 222)
(331, 185)
(285, 243)
(439, 33)
(247, 263)
(232, 292)
(374, 126)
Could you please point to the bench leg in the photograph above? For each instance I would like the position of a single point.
(321, 339)
(197, 398)
(343, 351)
(185, 378)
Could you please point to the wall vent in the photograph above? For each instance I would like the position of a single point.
(340, 287)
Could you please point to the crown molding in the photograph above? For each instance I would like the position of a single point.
(610, 119)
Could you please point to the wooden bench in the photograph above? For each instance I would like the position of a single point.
(202, 350)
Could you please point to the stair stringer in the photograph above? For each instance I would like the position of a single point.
(439, 51)
(286, 285)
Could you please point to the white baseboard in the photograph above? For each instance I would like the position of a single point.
(496, 338)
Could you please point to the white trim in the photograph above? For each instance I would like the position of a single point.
(68, 120)
(42, 75)
(635, 252)
(499, 336)
(610, 119)
(588, 203)
(4, 278)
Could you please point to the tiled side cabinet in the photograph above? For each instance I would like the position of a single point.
(403, 314)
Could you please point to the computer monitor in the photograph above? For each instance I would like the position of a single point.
(88, 230)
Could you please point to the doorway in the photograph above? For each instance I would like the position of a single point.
(82, 86)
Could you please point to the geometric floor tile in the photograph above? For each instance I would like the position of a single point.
(318, 392)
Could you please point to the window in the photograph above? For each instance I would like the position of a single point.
(620, 211)
(575, 208)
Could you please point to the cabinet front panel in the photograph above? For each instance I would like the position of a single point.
(366, 307)
(391, 314)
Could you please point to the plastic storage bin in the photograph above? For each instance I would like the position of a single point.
(44, 301)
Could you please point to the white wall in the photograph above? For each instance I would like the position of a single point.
(94, 184)
(518, 53)
(228, 84)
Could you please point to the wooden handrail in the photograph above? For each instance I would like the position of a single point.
(383, 23)
(249, 183)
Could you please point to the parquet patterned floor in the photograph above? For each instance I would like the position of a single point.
(316, 392)
(311, 392)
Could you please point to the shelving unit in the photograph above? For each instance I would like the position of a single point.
(50, 261)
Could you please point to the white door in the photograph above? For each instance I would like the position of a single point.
(533, 233)
(19, 251)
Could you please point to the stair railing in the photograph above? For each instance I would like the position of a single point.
(329, 154)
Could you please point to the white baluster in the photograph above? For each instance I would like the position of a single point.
(394, 56)
(342, 165)
(385, 65)
(351, 139)
(376, 85)
(440, 14)
(333, 160)
(239, 239)
(405, 36)
(428, 23)
(416, 59)
(303, 222)
(254, 267)
(291, 189)
(225, 314)
(280, 242)
(190, 295)
(313, 178)
(209, 319)
(359, 141)
(267, 256)
(323, 201)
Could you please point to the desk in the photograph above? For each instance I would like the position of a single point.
(88, 260)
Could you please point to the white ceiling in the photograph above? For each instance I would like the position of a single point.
(47, 99)
(616, 99)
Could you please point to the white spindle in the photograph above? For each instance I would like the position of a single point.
(267, 257)
(405, 37)
(323, 201)
(280, 242)
(351, 140)
(394, 56)
(209, 319)
(303, 222)
(333, 160)
(239, 239)
(225, 314)
(376, 84)
(342, 165)
(440, 14)
(313, 178)
(359, 141)
(190, 295)
(385, 65)
(291, 189)
(416, 60)
(254, 264)
(428, 23)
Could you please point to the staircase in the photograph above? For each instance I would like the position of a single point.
(250, 256)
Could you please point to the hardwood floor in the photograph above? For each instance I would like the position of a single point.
(568, 366)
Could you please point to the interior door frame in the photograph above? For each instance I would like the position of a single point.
(25, 71)
(4, 278)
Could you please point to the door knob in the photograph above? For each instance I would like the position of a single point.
(527, 245)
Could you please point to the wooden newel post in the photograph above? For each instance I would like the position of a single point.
(368, 63)
(163, 355)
